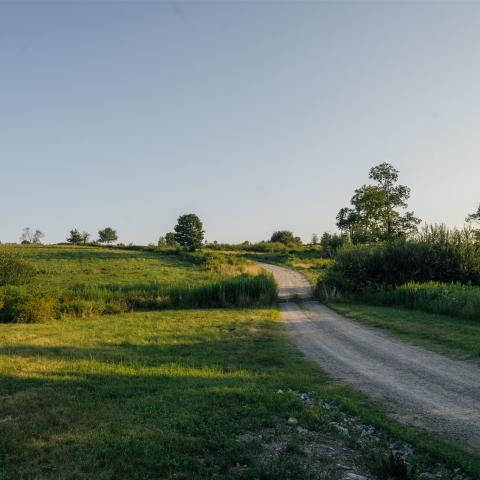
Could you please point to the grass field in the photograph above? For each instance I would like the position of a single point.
(442, 333)
(187, 394)
(85, 281)
(177, 394)
(68, 266)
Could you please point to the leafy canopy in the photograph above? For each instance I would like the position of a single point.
(284, 236)
(377, 213)
(189, 232)
(107, 235)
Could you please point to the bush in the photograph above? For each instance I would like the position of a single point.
(363, 267)
(14, 270)
(19, 305)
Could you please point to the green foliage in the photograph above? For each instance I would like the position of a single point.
(85, 281)
(285, 237)
(14, 270)
(474, 219)
(170, 240)
(436, 254)
(243, 291)
(26, 305)
(451, 299)
(75, 237)
(189, 232)
(376, 209)
(332, 242)
(107, 235)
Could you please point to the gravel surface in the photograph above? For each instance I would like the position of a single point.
(427, 389)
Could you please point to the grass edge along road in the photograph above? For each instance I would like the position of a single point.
(162, 394)
(453, 336)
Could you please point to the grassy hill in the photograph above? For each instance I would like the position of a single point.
(182, 393)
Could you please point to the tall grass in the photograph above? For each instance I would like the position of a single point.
(22, 305)
(85, 281)
(451, 299)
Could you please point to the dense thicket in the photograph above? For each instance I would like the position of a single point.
(437, 254)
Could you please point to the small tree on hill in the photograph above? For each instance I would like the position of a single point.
(170, 240)
(189, 231)
(107, 235)
(314, 239)
(85, 237)
(284, 236)
(29, 236)
(75, 237)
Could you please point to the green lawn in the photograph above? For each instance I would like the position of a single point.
(168, 395)
(442, 333)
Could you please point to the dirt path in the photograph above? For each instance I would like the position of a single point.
(426, 388)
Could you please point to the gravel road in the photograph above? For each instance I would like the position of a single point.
(425, 388)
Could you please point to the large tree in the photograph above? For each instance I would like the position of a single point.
(189, 231)
(378, 211)
(107, 235)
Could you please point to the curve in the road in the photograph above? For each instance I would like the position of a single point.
(425, 388)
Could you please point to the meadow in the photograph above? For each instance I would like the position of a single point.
(84, 281)
(203, 393)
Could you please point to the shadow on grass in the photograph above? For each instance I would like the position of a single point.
(141, 411)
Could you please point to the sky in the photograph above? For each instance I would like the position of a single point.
(256, 116)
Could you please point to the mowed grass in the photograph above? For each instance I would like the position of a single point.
(142, 395)
(442, 333)
(168, 395)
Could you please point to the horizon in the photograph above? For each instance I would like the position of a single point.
(256, 117)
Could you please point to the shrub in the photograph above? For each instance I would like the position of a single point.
(19, 305)
(14, 270)
(362, 267)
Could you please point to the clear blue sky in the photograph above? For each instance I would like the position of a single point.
(255, 116)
